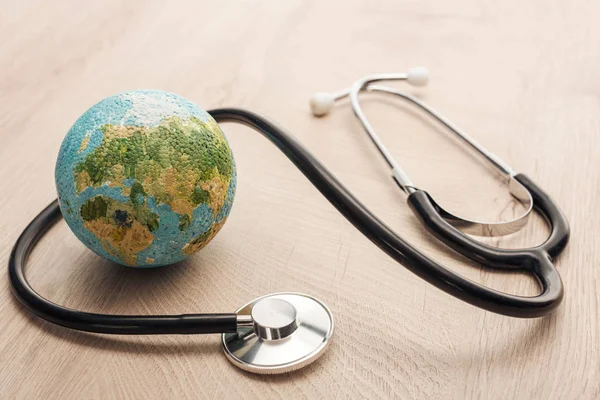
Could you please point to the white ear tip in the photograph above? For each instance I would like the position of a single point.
(321, 103)
(418, 76)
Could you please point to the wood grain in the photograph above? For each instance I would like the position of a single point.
(523, 78)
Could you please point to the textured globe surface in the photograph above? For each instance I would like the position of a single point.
(145, 178)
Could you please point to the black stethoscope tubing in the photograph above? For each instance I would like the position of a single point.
(536, 260)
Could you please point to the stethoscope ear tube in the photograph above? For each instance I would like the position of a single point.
(322, 103)
(452, 229)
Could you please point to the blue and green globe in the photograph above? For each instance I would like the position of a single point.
(145, 178)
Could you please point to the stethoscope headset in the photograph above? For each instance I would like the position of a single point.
(285, 331)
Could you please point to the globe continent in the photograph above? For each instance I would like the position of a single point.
(145, 178)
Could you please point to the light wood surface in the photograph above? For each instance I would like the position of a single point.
(522, 77)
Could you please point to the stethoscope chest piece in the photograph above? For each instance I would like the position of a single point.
(279, 333)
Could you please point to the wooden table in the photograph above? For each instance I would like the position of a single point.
(523, 78)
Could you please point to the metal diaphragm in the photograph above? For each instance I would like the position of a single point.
(288, 332)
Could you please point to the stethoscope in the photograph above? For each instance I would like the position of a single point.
(282, 332)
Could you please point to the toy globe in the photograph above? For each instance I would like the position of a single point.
(145, 178)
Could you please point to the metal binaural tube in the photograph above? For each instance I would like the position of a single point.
(365, 84)
(322, 103)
